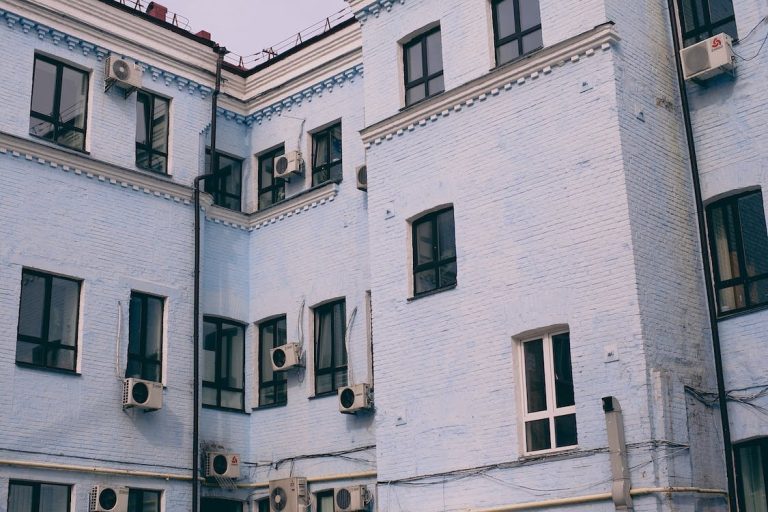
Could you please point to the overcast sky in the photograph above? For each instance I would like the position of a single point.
(248, 26)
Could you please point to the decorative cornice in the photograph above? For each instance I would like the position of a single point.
(288, 103)
(501, 80)
(362, 11)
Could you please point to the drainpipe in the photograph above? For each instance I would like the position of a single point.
(221, 51)
(711, 305)
(617, 446)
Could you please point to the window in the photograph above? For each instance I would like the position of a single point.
(145, 337)
(516, 28)
(223, 363)
(330, 349)
(272, 385)
(434, 252)
(226, 184)
(271, 189)
(550, 412)
(326, 155)
(701, 19)
(220, 505)
(59, 103)
(140, 500)
(38, 497)
(423, 65)
(151, 132)
(48, 316)
(324, 501)
(263, 505)
(752, 475)
(739, 247)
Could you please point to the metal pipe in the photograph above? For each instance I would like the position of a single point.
(221, 51)
(93, 469)
(711, 305)
(317, 479)
(617, 444)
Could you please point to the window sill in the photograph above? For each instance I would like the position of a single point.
(741, 312)
(324, 395)
(59, 146)
(422, 100)
(431, 292)
(517, 59)
(61, 371)
(286, 202)
(269, 406)
(548, 455)
(225, 409)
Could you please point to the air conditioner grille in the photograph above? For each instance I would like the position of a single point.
(107, 499)
(121, 69)
(343, 499)
(697, 58)
(278, 498)
(347, 398)
(140, 392)
(220, 464)
(278, 357)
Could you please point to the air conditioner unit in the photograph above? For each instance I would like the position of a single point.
(288, 495)
(708, 58)
(121, 72)
(108, 499)
(357, 397)
(351, 499)
(285, 357)
(362, 177)
(143, 394)
(287, 164)
(222, 465)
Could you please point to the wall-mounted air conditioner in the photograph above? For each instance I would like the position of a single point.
(122, 73)
(288, 164)
(288, 495)
(108, 499)
(708, 58)
(222, 465)
(285, 357)
(355, 398)
(142, 394)
(351, 499)
(362, 177)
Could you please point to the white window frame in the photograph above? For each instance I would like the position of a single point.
(552, 411)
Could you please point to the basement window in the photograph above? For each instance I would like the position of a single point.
(140, 500)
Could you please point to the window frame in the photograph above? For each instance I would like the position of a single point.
(731, 203)
(149, 111)
(217, 385)
(36, 488)
(57, 125)
(517, 35)
(278, 184)
(334, 368)
(218, 501)
(142, 357)
(325, 493)
(425, 78)
(329, 164)
(762, 445)
(45, 328)
(551, 411)
(219, 193)
(134, 491)
(706, 28)
(436, 263)
(275, 382)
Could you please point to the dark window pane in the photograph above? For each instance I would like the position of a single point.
(448, 274)
(143, 158)
(534, 376)
(43, 88)
(415, 93)
(434, 54)
(445, 235)
(135, 314)
(537, 435)
(61, 358)
(436, 85)
(20, 497)
(532, 41)
(753, 234)
(264, 506)
(210, 395)
(413, 58)
(507, 52)
(32, 353)
(330, 352)
(209, 352)
(154, 328)
(731, 298)
(425, 281)
(160, 125)
(424, 243)
(324, 340)
(529, 14)
(74, 92)
(54, 497)
(266, 395)
(321, 149)
(340, 379)
(720, 9)
(758, 292)
(752, 481)
(724, 233)
(561, 349)
(142, 117)
(232, 399)
(565, 430)
(40, 128)
(505, 18)
(323, 384)
(335, 143)
(32, 305)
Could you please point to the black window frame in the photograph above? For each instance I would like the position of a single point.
(142, 358)
(43, 341)
(149, 146)
(731, 203)
(276, 189)
(706, 28)
(36, 488)
(218, 384)
(325, 493)
(140, 493)
(425, 78)
(436, 262)
(278, 378)
(213, 184)
(336, 367)
(324, 172)
(762, 445)
(54, 120)
(518, 34)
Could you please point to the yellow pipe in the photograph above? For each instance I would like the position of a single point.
(93, 469)
(317, 479)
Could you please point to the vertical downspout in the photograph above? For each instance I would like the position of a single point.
(221, 51)
(711, 305)
(617, 445)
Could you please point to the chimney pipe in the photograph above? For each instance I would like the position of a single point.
(156, 10)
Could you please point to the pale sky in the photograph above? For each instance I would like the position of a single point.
(248, 26)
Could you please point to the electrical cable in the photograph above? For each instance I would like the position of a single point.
(747, 59)
(339, 454)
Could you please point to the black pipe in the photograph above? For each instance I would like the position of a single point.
(711, 305)
(221, 51)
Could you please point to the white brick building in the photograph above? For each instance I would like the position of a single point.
(526, 254)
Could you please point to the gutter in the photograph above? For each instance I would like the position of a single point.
(711, 305)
